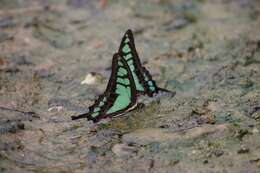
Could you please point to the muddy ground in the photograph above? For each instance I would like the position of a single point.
(208, 51)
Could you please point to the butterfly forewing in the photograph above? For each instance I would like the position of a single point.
(127, 52)
(142, 78)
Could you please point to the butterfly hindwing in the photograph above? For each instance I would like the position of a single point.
(120, 95)
(142, 78)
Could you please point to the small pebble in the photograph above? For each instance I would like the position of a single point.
(55, 108)
(205, 162)
(255, 130)
(90, 79)
(243, 150)
(124, 150)
(218, 153)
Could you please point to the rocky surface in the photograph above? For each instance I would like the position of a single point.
(206, 51)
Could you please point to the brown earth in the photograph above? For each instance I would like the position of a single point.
(206, 51)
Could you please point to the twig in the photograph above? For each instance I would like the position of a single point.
(16, 110)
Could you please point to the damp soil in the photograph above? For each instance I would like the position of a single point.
(208, 52)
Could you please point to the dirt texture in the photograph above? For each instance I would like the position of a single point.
(55, 59)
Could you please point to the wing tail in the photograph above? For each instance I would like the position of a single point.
(85, 115)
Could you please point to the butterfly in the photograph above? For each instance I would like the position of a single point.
(128, 80)
(120, 95)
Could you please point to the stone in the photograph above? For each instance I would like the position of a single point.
(123, 150)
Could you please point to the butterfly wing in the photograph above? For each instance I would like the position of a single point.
(119, 97)
(127, 51)
(142, 78)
